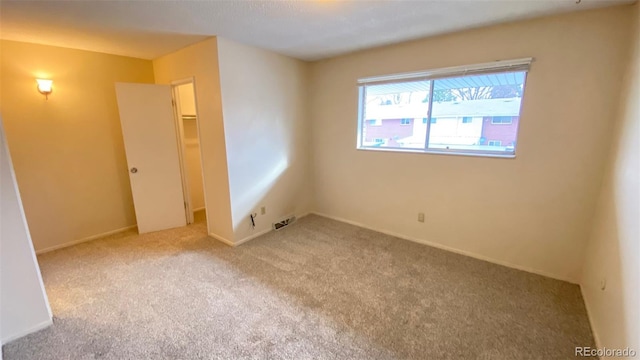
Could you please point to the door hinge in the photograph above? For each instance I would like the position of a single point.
(173, 103)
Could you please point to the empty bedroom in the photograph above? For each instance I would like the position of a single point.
(320, 179)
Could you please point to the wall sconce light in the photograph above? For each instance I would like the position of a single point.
(44, 87)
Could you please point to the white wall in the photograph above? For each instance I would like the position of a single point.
(24, 307)
(532, 212)
(613, 253)
(264, 99)
(200, 61)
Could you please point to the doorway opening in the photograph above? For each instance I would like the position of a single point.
(189, 150)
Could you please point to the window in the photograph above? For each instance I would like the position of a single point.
(501, 120)
(444, 99)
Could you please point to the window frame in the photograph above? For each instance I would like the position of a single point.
(501, 122)
(501, 66)
(376, 122)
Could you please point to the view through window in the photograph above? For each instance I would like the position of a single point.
(477, 113)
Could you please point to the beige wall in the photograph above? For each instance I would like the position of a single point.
(193, 164)
(531, 212)
(264, 98)
(613, 253)
(186, 94)
(200, 61)
(68, 151)
(191, 146)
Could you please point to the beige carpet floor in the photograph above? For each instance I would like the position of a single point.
(319, 289)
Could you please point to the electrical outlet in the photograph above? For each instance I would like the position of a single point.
(421, 217)
(263, 210)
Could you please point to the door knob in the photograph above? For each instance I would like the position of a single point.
(134, 170)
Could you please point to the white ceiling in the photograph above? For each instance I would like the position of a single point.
(308, 30)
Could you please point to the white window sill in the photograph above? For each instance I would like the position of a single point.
(441, 152)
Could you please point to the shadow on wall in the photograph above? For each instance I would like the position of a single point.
(270, 173)
(265, 175)
(611, 271)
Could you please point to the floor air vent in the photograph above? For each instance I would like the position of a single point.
(283, 223)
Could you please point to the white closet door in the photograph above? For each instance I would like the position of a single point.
(148, 128)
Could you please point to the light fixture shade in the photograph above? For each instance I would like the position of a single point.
(44, 86)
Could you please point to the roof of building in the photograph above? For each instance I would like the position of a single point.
(461, 82)
(485, 107)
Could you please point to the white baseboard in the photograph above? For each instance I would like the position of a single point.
(239, 242)
(448, 248)
(596, 338)
(248, 238)
(253, 236)
(222, 239)
(92, 237)
(40, 326)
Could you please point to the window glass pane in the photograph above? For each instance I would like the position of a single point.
(397, 111)
(477, 113)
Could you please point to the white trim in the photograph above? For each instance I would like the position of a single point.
(450, 249)
(488, 67)
(596, 338)
(184, 81)
(239, 242)
(253, 236)
(222, 239)
(38, 327)
(250, 237)
(432, 151)
(89, 238)
(180, 139)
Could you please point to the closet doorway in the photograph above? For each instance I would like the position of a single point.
(189, 149)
